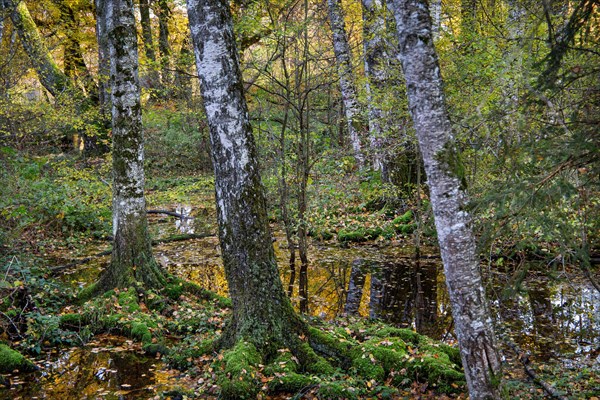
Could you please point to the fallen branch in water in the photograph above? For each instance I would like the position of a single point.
(524, 359)
(171, 213)
(176, 238)
(181, 238)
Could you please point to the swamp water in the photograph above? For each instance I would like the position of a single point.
(553, 319)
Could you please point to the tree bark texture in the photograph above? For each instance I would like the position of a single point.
(346, 77)
(51, 77)
(132, 260)
(473, 323)
(152, 79)
(262, 313)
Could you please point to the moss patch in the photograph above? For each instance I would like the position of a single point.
(11, 360)
(238, 375)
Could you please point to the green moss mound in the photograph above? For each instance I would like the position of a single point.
(11, 360)
(238, 377)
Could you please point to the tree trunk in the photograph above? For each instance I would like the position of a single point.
(51, 77)
(103, 59)
(346, 76)
(435, 8)
(473, 323)
(376, 65)
(182, 79)
(152, 81)
(74, 64)
(164, 14)
(355, 287)
(132, 260)
(262, 313)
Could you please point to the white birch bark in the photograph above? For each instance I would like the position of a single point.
(473, 323)
(262, 313)
(346, 76)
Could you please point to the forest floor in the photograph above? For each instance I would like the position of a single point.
(141, 345)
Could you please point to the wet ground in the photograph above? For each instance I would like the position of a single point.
(554, 316)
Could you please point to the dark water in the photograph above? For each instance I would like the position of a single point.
(555, 319)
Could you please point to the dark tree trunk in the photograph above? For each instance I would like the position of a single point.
(152, 79)
(182, 80)
(262, 313)
(51, 77)
(132, 260)
(74, 64)
(164, 14)
(103, 59)
(473, 323)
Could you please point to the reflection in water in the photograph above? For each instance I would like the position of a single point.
(403, 293)
(95, 373)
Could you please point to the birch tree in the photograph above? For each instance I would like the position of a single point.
(132, 260)
(346, 77)
(472, 320)
(262, 313)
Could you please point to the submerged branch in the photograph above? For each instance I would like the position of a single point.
(524, 359)
(171, 213)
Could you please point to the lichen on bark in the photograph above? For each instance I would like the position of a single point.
(132, 260)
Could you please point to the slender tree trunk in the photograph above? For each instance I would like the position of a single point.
(2, 16)
(164, 14)
(132, 260)
(182, 80)
(468, 14)
(103, 59)
(151, 79)
(262, 313)
(346, 77)
(473, 323)
(376, 57)
(435, 8)
(355, 287)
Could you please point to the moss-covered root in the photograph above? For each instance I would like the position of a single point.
(284, 374)
(11, 360)
(238, 377)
